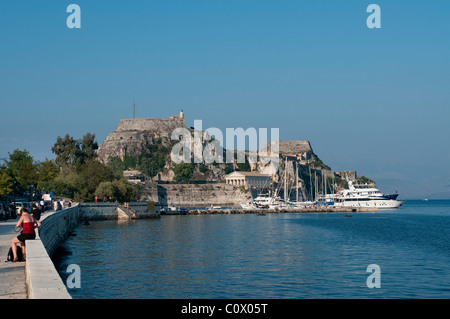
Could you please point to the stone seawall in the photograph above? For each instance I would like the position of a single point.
(107, 211)
(57, 226)
(192, 195)
(42, 278)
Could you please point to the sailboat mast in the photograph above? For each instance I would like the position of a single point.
(315, 186)
(310, 184)
(285, 181)
(296, 178)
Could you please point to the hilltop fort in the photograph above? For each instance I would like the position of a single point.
(140, 150)
(133, 135)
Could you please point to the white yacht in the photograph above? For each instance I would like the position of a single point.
(261, 201)
(365, 196)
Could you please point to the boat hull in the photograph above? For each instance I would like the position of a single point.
(380, 204)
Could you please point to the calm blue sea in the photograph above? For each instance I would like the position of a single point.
(279, 256)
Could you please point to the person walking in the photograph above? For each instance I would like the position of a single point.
(28, 224)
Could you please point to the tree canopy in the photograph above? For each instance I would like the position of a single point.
(75, 173)
(71, 151)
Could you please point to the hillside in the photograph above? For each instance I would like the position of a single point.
(145, 145)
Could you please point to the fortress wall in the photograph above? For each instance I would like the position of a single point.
(162, 125)
(196, 195)
(132, 135)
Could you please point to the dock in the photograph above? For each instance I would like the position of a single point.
(194, 211)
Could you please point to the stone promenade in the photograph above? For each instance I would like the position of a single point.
(12, 275)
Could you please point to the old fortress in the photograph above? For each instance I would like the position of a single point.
(132, 136)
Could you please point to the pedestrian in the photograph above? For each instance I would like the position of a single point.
(36, 212)
(28, 224)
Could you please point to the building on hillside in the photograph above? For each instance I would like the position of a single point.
(253, 180)
(134, 176)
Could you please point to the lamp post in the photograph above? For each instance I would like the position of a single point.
(14, 191)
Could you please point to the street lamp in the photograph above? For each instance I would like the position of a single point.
(14, 189)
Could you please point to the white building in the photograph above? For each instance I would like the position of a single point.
(249, 179)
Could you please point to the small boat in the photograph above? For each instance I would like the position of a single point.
(261, 214)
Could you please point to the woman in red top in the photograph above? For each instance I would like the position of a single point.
(28, 224)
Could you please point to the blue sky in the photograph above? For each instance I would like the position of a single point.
(373, 100)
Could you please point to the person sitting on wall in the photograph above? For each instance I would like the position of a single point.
(28, 224)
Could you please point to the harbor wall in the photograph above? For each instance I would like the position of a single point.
(196, 195)
(113, 211)
(42, 278)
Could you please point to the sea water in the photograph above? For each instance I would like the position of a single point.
(279, 255)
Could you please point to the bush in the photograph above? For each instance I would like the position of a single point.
(150, 205)
(183, 172)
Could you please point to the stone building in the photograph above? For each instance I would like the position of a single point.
(134, 176)
(254, 180)
(300, 150)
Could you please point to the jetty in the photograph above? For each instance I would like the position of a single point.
(194, 211)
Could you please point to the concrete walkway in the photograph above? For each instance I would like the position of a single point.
(12, 275)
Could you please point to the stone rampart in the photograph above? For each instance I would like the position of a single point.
(196, 195)
(160, 125)
(132, 136)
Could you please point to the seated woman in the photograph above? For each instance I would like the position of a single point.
(28, 224)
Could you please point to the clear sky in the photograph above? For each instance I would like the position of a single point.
(373, 100)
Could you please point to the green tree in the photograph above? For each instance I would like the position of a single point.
(91, 174)
(70, 151)
(6, 182)
(227, 170)
(22, 167)
(47, 172)
(65, 150)
(88, 146)
(183, 172)
(116, 165)
(125, 192)
(106, 190)
(129, 161)
(153, 159)
(244, 167)
(119, 190)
